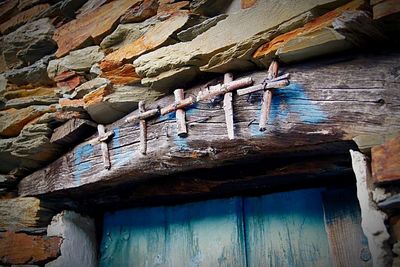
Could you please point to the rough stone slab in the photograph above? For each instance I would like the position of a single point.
(140, 12)
(91, 27)
(125, 34)
(170, 79)
(23, 212)
(24, 102)
(385, 8)
(90, 6)
(79, 61)
(12, 120)
(199, 51)
(123, 100)
(372, 219)
(155, 37)
(209, 8)
(7, 9)
(28, 44)
(20, 248)
(22, 18)
(386, 161)
(89, 86)
(268, 50)
(79, 246)
(317, 43)
(25, 4)
(121, 75)
(67, 104)
(247, 3)
(191, 33)
(72, 131)
(35, 74)
(61, 12)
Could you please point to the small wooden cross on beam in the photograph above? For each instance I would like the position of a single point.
(272, 82)
(228, 107)
(102, 139)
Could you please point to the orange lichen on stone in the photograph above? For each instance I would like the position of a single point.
(314, 25)
(20, 248)
(124, 74)
(152, 39)
(22, 18)
(168, 8)
(38, 91)
(248, 3)
(13, 120)
(71, 103)
(385, 161)
(97, 95)
(70, 84)
(90, 27)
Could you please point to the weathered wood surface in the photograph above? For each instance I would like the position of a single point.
(347, 243)
(72, 131)
(325, 102)
(289, 227)
(198, 234)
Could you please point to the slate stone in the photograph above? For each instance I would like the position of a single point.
(140, 12)
(35, 74)
(200, 50)
(120, 102)
(125, 34)
(79, 61)
(13, 120)
(21, 18)
(209, 8)
(64, 9)
(90, 6)
(89, 86)
(193, 32)
(90, 28)
(28, 97)
(27, 44)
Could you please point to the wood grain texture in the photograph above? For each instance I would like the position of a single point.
(72, 131)
(199, 234)
(180, 114)
(289, 227)
(325, 102)
(347, 243)
(228, 108)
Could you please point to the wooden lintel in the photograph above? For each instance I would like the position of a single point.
(310, 113)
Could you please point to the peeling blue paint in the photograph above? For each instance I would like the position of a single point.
(296, 100)
(120, 156)
(291, 100)
(181, 143)
(80, 155)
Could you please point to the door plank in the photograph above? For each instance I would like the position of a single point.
(286, 229)
(197, 234)
(348, 245)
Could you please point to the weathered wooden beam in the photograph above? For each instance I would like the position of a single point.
(72, 131)
(326, 102)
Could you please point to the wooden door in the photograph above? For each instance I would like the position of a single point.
(312, 227)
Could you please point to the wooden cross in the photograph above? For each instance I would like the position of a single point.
(102, 139)
(228, 107)
(272, 82)
(180, 114)
(143, 129)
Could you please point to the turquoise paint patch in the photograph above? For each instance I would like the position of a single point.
(116, 146)
(181, 143)
(82, 153)
(294, 98)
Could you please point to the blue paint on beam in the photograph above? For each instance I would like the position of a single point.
(81, 167)
(116, 146)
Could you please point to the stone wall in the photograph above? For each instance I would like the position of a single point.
(67, 65)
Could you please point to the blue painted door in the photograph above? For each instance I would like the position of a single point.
(298, 228)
